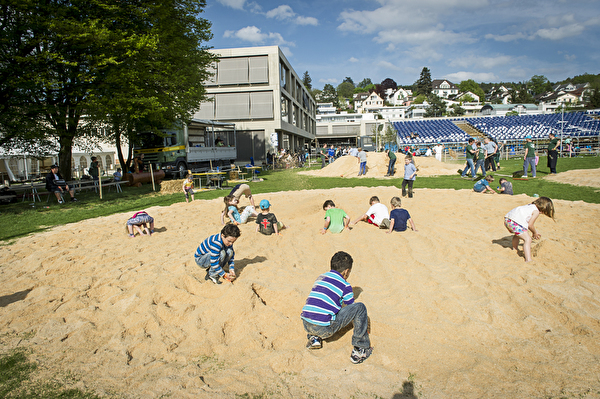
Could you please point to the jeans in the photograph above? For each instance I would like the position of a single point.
(355, 313)
(322, 162)
(224, 257)
(469, 165)
(526, 163)
(479, 164)
(363, 169)
(390, 171)
(410, 187)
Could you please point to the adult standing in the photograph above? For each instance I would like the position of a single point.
(498, 153)
(439, 150)
(529, 158)
(392, 157)
(470, 153)
(553, 152)
(491, 149)
(94, 170)
(323, 155)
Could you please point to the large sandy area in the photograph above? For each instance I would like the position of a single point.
(455, 313)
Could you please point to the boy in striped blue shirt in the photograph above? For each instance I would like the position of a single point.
(323, 314)
(216, 252)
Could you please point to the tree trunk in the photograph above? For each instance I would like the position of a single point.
(64, 156)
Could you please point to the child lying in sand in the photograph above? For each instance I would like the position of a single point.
(323, 314)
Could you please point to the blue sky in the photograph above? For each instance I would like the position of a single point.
(484, 40)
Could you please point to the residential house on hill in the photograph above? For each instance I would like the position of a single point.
(443, 88)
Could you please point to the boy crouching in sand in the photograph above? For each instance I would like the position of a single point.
(323, 314)
(217, 251)
(336, 220)
(266, 222)
(377, 214)
(399, 217)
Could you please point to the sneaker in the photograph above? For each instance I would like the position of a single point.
(74, 199)
(214, 279)
(359, 355)
(314, 342)
(61, 201)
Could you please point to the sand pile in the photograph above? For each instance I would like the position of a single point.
(451, 306)
(377, 165)
(579, 177)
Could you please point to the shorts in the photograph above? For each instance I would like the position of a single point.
(240, 189)
(139, 220)
(188, 191)
(385, 223)
(514, 227)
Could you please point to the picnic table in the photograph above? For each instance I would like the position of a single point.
(211, 178)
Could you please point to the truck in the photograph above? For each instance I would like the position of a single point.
(198, 146)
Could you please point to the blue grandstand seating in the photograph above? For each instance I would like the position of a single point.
(576, 124)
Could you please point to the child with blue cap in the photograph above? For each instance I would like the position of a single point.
(266, 222)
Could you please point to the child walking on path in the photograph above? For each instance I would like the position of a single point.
(323, 314)
(232, 211)
(399, 217)
(216, 252)
(138, 221)
(188, 188)
(523, 218)
(410, 174)
(266, 222)
(336, 220)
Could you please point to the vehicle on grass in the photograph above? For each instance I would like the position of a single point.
(196, 146)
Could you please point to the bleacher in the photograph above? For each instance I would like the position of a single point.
(423, 132)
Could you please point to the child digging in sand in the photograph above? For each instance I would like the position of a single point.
(523, 218)
(377, 214)
(138, 221)
(266, 222)
(336, 220)
(216, 252)
(483, 185)
(232, 211)
(323, 314)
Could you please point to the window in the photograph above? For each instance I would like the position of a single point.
(261, 104)
(233, 106)
(259, 72)
(83, 163)
(283, 72)
(109, 162)
(232, 71)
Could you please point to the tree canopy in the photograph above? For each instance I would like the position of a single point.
(473, 87)
(539, 84)
(345, 89)
(364, 83)
(423, 84)
(307, 81)
(78, 61)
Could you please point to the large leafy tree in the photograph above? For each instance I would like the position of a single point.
(423, 84)
(539, 84)
(364, 83)
(329, 95)
(345, 89)
(112, 61)
(437, 106)
(388, 83)
(473, 87)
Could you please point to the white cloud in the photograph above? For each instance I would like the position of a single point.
(506, 38)
(458, 77)
(307, 21)
(478, 62)
(329, 80)
(254, 35)
(560, 33)
(281, 12)
(570, 57)
(237, 4)
(285, 13)
(389, 65)
(352, 59)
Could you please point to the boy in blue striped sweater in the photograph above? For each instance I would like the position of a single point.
(216, 252)
(323, 314)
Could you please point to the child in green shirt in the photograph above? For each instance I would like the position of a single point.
(336, 220)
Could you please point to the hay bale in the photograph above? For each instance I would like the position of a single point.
(171, 186)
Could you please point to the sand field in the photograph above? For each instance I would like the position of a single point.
(455, 313)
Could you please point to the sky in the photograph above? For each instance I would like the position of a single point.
(483, 40)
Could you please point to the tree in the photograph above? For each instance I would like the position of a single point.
(473, 87)
(388, 83)
(364, 83)
(423, 85)
(457, 110)
(105, 62)
(539, 84)
(329, 95)
(467, 98)
(420, 99)
(592, 97)
(348, 79)
(436, 108)
(307, 81)
(389, 135)
(520, 95)
(345, 89)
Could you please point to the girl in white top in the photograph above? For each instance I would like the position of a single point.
(522, 218)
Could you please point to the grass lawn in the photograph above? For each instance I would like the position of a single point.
(26, 218)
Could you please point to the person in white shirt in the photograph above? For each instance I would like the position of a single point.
(378, 214)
